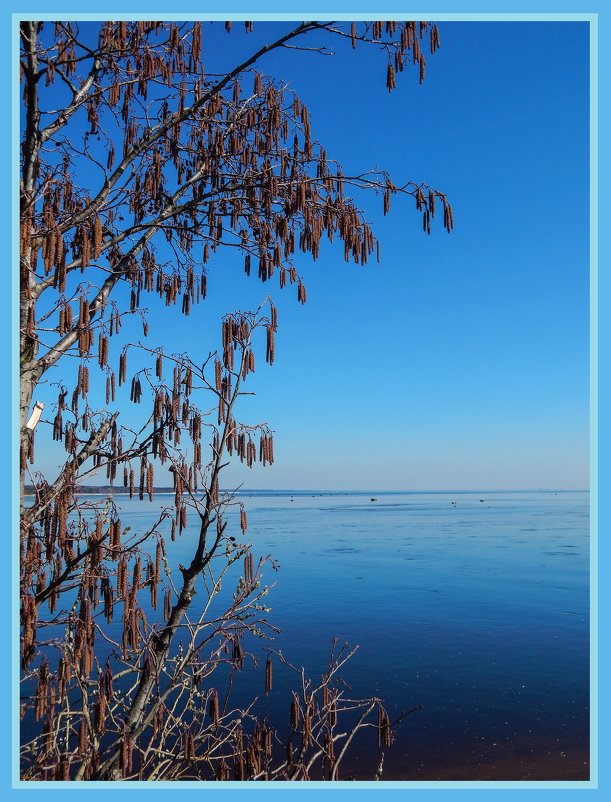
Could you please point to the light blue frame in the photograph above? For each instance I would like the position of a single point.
(598, 14)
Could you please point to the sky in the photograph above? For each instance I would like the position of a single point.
(460, 361)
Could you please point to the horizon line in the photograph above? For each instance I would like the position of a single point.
(168, 488)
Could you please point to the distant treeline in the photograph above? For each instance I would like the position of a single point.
(103, 490)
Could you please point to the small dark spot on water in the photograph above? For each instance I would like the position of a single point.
(343, 548)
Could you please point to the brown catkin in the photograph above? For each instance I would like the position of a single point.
(329, 747)
(384, 733)
(142, 478)
(126, 753)
(122, 368)
(149, 480)
(217, 375)
(386, 201)
(97, 238)
(266, 738)
(158, 555)
(237, 655)
(82, 738)
(214, 707)
(137, 574)
(268, 674)
(432, 202)
(332, 714)
(294, 714)
(387, 732)
(100, 349)
(189, 746)
(85, 248)
(269, 354)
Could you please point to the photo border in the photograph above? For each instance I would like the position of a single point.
(598, 17)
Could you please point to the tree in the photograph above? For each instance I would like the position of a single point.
(138, 170)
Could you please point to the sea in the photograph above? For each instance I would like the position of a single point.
(470, 609)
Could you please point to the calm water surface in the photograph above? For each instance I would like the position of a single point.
(474, 606)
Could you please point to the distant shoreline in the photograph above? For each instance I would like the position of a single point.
(119, 490)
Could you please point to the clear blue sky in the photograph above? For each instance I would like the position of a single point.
(460, 361)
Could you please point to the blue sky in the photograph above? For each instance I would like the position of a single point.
(460, 361)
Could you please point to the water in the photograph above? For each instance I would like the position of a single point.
(474, 606)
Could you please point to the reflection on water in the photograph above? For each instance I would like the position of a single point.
(472, 605)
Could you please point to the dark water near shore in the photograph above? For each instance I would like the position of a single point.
(474, 606)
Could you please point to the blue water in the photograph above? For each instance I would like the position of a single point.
(473, 605)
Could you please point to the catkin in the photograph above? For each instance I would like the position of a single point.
(158, 555)
(217, 373)
(294, 712)
(167, 604)
(306, 728)
(268, 675)
(122, 368)
(85, 248)
(149, 480)
(189, 746)
(97, 238)
(214, 707)
(330, 752)
(269, 353)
